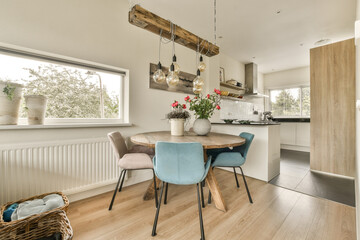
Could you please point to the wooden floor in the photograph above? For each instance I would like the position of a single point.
(276, 213)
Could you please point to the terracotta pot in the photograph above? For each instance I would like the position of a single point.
(9, 109)
(36, 107)
(202, 126)
(177, 126)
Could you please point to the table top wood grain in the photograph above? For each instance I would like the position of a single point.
(210, 141)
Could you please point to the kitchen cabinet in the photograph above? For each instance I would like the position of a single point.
(295, 136)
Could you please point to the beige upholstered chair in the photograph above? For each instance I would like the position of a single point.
(136, 158)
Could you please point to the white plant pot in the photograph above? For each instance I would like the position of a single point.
(36, 107)
(177, 126)
(202, 126)
(9, 109)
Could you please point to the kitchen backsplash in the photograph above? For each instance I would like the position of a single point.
(241, 110)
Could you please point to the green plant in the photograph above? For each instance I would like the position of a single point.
(204, 106)
(9, 91)
(178, 111)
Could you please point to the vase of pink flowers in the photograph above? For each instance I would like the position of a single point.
(204, 107)
(177, 118)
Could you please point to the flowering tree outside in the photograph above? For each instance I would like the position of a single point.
(70, 93)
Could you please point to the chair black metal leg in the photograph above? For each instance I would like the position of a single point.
(237, 182)
(166, 190)
(122, 181)
(209, 199)
(115, 191)
(247, 189)
(202, 194)
(157, 211)
(155, 188)
(200, 213)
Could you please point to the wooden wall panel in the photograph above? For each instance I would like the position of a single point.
(332, 127)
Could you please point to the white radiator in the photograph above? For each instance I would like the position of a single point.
(69, 166)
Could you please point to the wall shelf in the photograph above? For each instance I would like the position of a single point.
(231, 86)
(231, 98)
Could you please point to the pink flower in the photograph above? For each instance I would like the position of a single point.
(217, 91)
(175, 104)
(217, 107)
(184, 106)
(187, 98)
(195, 97)
(208, 96)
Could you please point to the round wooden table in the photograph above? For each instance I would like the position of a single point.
(211, 141)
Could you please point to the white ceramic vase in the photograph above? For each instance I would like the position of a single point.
(9, 109)
(177, 126)
(36, 107)
(202, 126)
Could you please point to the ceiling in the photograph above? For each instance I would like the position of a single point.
(275, 34)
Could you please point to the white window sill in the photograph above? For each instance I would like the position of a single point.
(64, 125)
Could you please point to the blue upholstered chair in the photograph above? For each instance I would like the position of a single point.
(182, 164)
(234, 158)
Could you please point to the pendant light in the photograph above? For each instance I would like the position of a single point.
(159, 75)
(198, 83)
(202, 65)
(172, 78)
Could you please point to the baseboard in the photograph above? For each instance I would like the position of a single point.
(295, 148)
(333, 174)
(134, 177)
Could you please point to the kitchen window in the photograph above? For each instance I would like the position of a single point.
(77, 91)
(290, 102)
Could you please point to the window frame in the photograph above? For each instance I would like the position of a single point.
(18, 51)
(300, 96)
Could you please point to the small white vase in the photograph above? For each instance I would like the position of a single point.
(36, 107)
(9, 109)
(202, 126)
(177, 126)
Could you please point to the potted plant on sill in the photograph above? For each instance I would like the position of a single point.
(204, 108)
(177, 118)
(36, 108)
(10, 98)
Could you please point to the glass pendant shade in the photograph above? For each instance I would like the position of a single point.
(172, 79)
(198, 83)
(159, 75)
(176, 66)
(202, 65)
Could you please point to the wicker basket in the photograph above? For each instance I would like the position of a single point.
(5, 206)
(43, 225)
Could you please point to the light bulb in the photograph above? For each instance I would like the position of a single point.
(197, 90)
(202, 65)
(159, 75)
(198, 83)
(172, 79)
(176, 66)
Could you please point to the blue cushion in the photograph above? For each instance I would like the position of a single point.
(229, 159)
(180, 163)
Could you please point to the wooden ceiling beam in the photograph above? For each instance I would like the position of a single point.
(142, 18)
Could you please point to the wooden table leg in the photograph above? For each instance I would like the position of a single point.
(150, 191)
(214, 188)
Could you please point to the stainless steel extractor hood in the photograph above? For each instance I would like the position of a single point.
(251, 81)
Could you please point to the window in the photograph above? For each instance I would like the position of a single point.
(77, 91)
(290, 102)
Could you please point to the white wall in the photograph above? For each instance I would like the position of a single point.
(96, 31)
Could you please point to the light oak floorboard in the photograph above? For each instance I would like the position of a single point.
(276, 213)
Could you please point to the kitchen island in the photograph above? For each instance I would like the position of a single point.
(263, 158)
